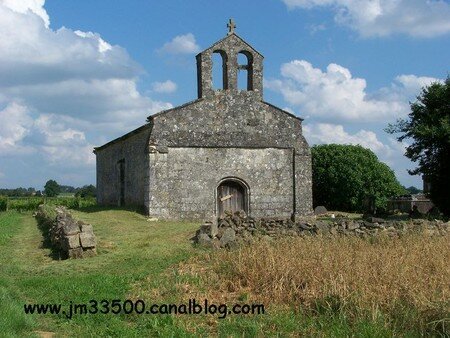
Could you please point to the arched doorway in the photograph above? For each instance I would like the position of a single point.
(232, 195)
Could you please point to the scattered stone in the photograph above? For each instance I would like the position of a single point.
(225, 232)
(203, 239)
(320, 210)
(352, 225)
(228, 236)
(214, 229)
(376, 220)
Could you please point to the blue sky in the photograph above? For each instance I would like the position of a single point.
(76, 74)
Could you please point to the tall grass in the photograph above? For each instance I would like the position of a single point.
(404, 281)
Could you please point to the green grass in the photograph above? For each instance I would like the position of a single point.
(136, 259)
(130, 249)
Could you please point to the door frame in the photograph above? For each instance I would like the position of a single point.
(239, 181)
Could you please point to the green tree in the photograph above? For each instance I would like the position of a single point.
(413, 190)
(428, 126)
(346, 176)
(86, 191)
(51, 188)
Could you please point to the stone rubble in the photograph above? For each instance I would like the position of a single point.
(237, 228)
(70, 237)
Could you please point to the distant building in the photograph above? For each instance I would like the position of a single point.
(406, 203)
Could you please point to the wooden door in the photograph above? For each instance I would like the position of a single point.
(230, 196)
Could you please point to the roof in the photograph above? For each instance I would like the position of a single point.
(149, 118)
(282, 110)
(123, 137)
(228, 37)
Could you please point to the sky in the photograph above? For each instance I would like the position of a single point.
(77, 74)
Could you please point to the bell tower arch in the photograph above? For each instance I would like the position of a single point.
(230, 48)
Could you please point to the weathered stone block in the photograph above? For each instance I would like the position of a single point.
(71, 242)
(75, 253)
(320, 210)
(86, 227)
(87, 240)
(203, 239)
(228, 236)
(70, 227)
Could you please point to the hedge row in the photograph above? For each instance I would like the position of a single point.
(32, 203)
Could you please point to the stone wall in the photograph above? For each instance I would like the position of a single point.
(134, 151)
(69, 238)
(238, 228)
(184, 180)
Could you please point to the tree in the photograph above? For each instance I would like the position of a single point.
(86, 191)
(413, 190)
(51, 188)
(428, 126)
(346, 176)
(68, 189)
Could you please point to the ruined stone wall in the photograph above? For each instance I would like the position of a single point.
(239, 228)
(183, 181)
(69, 238)
(133, 150)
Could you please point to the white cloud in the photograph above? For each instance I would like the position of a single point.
(96, 100)
(103, 46)
(63, 91)
(63, 145)
(164, 87)
(181, 44)
(22, 135)
(15, 125)
(421, 18)
(335, 95)
(392, 152)
(24, 6)
(331, 133)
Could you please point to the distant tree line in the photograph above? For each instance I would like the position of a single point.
(19, 192)
(51, 189)
(413, 190)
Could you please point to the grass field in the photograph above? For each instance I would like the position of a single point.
(308, 286)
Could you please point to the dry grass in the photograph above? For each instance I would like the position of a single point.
(383, 276)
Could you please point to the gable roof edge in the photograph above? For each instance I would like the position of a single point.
(150, 117)
(284, 111)
(228, 36)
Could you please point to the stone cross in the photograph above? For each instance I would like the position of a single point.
(231, 26)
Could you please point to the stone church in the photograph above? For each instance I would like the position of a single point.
(226, 150)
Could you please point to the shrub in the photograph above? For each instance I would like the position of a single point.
(25, 204)
(3, 203)
(32, 203)
(350, 178)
